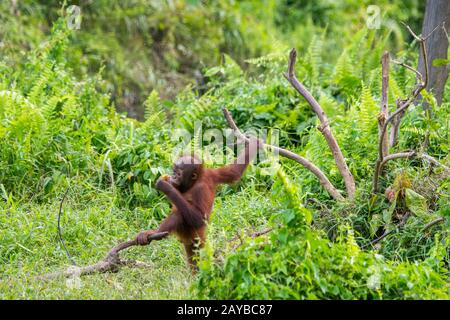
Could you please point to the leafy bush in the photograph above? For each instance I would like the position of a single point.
(307, 266)
(296, 262)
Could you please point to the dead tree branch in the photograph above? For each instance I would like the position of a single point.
(324, 126)
(253, 235)
(290, 155)
(401, 108)
(432, 223)
(396, 121)
(260, 233)
(397, 156)
(435, 162)
(404, 65)
(111, 263)
(384, 111)
(415, 154)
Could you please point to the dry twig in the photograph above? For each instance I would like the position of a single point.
(432, 223)
(253, 235)
(386, 233)
(411, 154)
(402, 105)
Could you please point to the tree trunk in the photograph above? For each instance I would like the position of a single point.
(436, 12)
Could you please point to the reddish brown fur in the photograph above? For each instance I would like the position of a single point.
(193, 205)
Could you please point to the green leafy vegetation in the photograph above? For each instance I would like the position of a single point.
(172, 63)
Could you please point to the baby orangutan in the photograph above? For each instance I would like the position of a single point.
(191, 189)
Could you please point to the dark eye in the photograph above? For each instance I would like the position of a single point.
(194, 176)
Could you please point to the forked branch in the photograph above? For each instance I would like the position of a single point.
(324, 125)
(290, 155)
(402, 105)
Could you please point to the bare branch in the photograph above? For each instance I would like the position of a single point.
(435, 28)
(290, 155)
(444, 29)
(111, 263)
(435, 162)
(412, 32)
(412, 154)
(397, 156)
(400, 225)
(404, 65)
(432, 223)
(324, 127)
(384, 111)
(401, 109)
(260, 233)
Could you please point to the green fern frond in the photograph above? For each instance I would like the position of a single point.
(14, 100)
(293, 195)
(153, 113)
(151, 105)
(49, 108)
(331, 107)
(196, 111)
(395, 91)
(37, 91)
(344, 74)
(420, 132)
(314, 58)
(197, 142)
(367, 112)
(268, 59)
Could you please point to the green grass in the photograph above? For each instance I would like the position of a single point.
(30, 246)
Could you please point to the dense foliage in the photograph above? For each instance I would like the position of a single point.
(59, 130)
